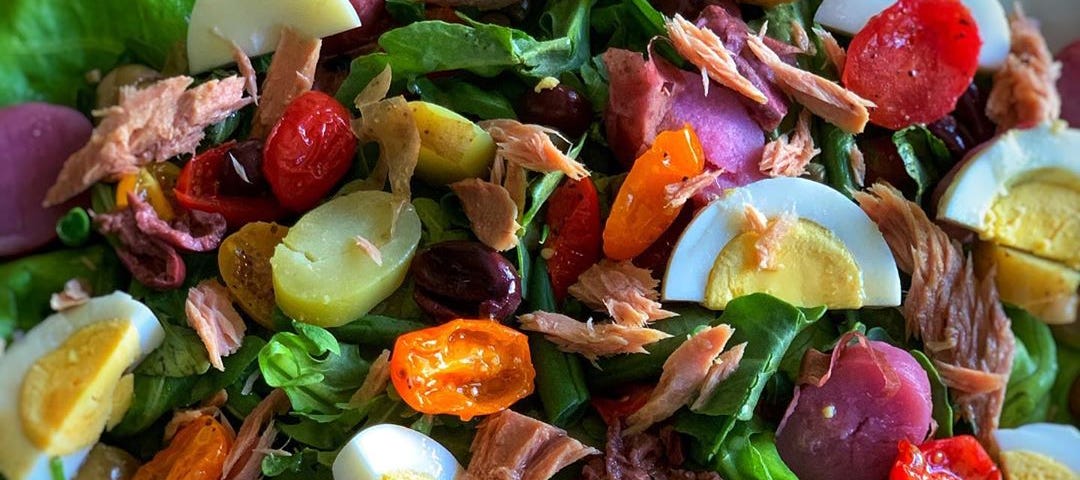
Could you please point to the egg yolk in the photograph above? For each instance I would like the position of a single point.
(1039, 216)
(1046, 289)
(1025, 465)
(813, 267)
(67, 395)
(407, 475)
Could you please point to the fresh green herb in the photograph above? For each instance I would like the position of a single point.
(560, 381)
(74, 227)
(939, 393)
(925, 157)
(181, 354)
(1034, 369)
(315, 371)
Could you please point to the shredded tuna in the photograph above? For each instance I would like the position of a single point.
(833, 51)
(376, 381)
(753, 219)
(627, 292)
(151, 261)
(722, 368)
(492, 213)
(644, 456)
(291, 73)
(256, 434)
(1025, 92)
(858, 164)
(680, 192)
(701, 47)
(684, 373)
(148, 125)
(590, 340)
(369, 248)
(826, 99)
(770, 234)
(531, 147)
(512, 446)
(247, 71)
(958, 316)
(788, 156)
(801, 38)
(210, 312)
(75, 293)
(192, 230)
(390, 123)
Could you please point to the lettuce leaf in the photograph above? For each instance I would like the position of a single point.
(50, 45)
(1035, 367)
(925, 157)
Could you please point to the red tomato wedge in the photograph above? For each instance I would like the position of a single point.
(573, 215)
(946, 459)
(914, 60)
(308, 151)
(199, 188)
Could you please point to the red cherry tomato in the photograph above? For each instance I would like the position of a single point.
(945, 459)
(914, 60)
(613, 410)
(573, 215)
(308, 151)
(199, 188)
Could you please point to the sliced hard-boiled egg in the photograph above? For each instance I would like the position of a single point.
(1046, 289)
(832, 255)
(67, 379)
(393, 452)
(1040, 451)
(850, 16)
(255, 26)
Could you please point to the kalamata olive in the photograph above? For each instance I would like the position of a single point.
(107, 463)
(560, 107)
(108, 90)
(463, 279)
(241, 173)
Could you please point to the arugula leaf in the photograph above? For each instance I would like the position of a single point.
(925, 157)
(1035, 367)
(464, 97)
(315, 371)
(939, 393)
(50, 45)
(181, 354)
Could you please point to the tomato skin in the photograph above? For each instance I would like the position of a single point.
(463, 367)
(640, 214)
(573, 216)
(199, 188)
(914, 60)
(308, 150)
(197, 452)
(614, 410)
(960, 457)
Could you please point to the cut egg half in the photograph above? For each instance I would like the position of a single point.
(68, 379)
(393, 452)
(833, 254)
(1040, 451)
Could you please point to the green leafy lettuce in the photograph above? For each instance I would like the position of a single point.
(925, 157)
(1034, 369)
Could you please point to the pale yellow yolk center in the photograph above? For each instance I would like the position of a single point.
(1039, 216)
(813, 268)
(1044, 288)
(67, 396)
(1025, 465)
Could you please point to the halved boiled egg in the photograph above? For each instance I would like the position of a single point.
(1040, 451)
(67, 379)
(1021, 192)
(393, 452)
(832, 255)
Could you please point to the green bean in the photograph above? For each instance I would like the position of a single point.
(560, 381)
(835, 154)
(74, 227)
(376, 330)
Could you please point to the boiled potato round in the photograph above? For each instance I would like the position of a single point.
(452, 147)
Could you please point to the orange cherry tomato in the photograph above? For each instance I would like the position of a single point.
(197, 452)
(640, 213)
(463, 367)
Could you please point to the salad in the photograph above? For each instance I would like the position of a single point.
(506, 239)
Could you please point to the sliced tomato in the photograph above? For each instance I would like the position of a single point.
(573, 216)
(946, 459)
(308, 151)
(199, 188)
(616, 409)
(914, 60)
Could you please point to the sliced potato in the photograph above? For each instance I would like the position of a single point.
(244, 261)
(452, 147)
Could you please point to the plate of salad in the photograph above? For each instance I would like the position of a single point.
(508, 239)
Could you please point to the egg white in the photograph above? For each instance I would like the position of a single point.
(1059, 442)
(39, 342)
(718, 223)
(382, 451)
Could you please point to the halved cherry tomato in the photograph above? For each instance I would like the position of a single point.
(914, 60)
(640, 213)
(946, 459)
(308, 151)
(614, 410)
(573, 215)
(197, 452)
(463, 367)
(199, 188)
(154, 183)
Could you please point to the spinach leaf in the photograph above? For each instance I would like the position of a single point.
(315, 371)
(437, 223)
(181, 354)
(836, 146)
(376, 330)
(306, 464)
(50, 45)
(939, 393)
(925, 157)
(405, 11)
(1034, 369)
(1068, 374)
(464, 97)
(629, 24)
(749, 452)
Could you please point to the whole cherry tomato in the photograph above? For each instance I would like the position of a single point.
(914, 60)
(308, 151)
(197, 452)
(573, 216)
(200, 188)
(463, 367)
(959, 457)
(640, 213)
